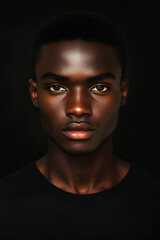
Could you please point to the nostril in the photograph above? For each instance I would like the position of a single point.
(78, 113)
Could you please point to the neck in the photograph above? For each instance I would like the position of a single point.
(89, 173)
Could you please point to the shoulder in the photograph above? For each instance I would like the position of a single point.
(17, 181)
(143, 181)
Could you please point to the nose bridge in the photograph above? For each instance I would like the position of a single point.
(78, 102)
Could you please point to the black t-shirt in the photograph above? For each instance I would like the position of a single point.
(33, 208)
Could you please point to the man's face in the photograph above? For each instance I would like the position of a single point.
(78, 92)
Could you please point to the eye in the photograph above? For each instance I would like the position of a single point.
(101, 88)
(56, 87)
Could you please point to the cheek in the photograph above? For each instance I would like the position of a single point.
(107, 108)
(51, 110)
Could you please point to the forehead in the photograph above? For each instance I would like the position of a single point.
(77, 56)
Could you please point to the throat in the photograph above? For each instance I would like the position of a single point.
(85, 182)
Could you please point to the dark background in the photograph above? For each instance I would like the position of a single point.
(137, 137)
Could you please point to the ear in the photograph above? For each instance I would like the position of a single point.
(33, 92)
(124, 91)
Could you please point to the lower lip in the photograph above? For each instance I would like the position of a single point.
(79, 134)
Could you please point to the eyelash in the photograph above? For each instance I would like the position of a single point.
(53, 85)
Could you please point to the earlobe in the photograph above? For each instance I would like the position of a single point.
(124, 91)
(33, 92)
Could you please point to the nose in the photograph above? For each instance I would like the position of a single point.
(78, 103)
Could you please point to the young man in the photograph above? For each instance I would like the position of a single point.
(79, 189)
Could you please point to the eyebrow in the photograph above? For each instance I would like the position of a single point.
(102, 76)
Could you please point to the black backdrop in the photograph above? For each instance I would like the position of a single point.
(137, 136)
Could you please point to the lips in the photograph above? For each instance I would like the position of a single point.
(79, 131)
(78, 127)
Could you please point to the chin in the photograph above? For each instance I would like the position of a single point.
(78, 152)
(81, 149)
(78, 149)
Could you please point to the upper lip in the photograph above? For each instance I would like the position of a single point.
(78, 127)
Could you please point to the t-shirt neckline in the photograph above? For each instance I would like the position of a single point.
(83, 197)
